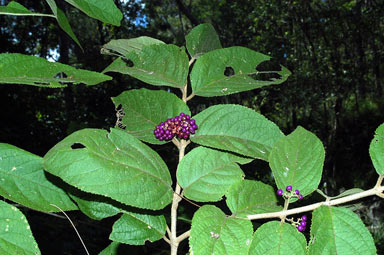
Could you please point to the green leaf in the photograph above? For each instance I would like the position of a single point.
(14, 8)
(114, 164)
(274, 238)
(62, 20)
(105, 11)
(231, 70)
(95, 207)
(24, 181)
(251, 197)
(376, 150)
(337, 230)
(238, 129)
(15, 235)
(155, 64)
(206, 174)
(122, 47)
(212, 232)
(202, 39)
(144, 109)
(297, 160)
(22, 69)
(112, 249)
(135, 229)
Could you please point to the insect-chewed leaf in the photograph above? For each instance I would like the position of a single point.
(22, 69)
(376, 150)
(202, 39)
(115, 164)
(237, 129)
(337, 230)
(231, 70)
(124, 46)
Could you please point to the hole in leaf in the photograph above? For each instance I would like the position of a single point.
(267, 71)
(41, 83)
(128, 62)
(260, 76)
(229, 71)
(76, 146)
(60, 75)
(119, 115)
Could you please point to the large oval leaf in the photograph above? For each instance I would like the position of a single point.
(202, 39)
(136, 229)
(251, 197)
(155, 64)
(22, 69)
(212, 232)
(275, 238)
(206, 174)
(376, 150)
(337, 230)
(298, 160)
(15, 235)
(105, 11)
(231, 70)
(114, 164)
(144, 109)
(24, 181)
(238, 129)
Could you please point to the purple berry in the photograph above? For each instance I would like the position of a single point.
(300, 228)
(304, 218)
(182, 114)
(289, 188)
(297, 192)
(300, 197)
(280, 192)
(180, 126)
(303, 223)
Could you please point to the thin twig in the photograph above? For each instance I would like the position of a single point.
(73, 225)
(183, 236)
(190, 97)
(186, 199)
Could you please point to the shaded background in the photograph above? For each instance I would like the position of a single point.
(334, 48)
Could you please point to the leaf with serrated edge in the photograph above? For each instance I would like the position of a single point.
(124, 46)
(212, 232)
(297, 160)
(337, 230)
(95, 207)
(15, 236)
(206, 174)
(238, 129)
(135, 229)
(105, 11)
(155, 64)
(22, 69)
(114, 164)
(202, 39)
(251, 197)
(275, 238)
(24, 181)
(376, 150)
(144, 109)
(209, 78)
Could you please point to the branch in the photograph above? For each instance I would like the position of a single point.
(186, 12)
(183, 236)
(377, 190)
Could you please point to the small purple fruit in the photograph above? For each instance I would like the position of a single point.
(300, 197)
(297, 192)
(304, 218)
(300, 228)
(289, 188)
(280, 192)
(303, 223)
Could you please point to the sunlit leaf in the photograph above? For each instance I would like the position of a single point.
(212, 232)
(144, 109)
(206, 174)
(122, 47)
(238, 129)
(15, 235)
(297, 160)
(14, 8)
(22, 69)
(275, 238)
(337, 230)
(231, 70)
(114, 164)
(23, 180)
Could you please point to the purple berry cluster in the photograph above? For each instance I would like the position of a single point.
(302, 223)
(181, 126)
(290, 193)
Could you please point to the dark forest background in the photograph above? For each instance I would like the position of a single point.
(334, 48)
